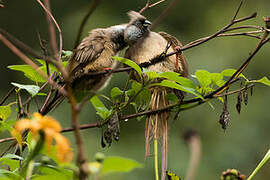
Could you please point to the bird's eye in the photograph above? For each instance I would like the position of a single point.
(146, 23)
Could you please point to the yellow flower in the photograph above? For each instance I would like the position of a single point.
(52, 130)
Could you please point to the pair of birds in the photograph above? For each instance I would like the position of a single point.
(95, 53)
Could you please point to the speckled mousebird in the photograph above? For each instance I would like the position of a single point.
(93, 54)
(145, 45)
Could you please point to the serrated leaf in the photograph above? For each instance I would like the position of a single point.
(177, 78)
(115, 92)
(5, 112)
(29, 72)
(264, 80)
(118, 164)
(170, 84)
(31, 89)
(129, 63)
(204, 77)
(102, 111)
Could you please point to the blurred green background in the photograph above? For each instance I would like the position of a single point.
(247, 138)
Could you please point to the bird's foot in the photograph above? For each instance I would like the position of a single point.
(107, 69)
(178, 49)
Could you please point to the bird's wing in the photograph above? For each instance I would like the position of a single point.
(181, 58)
(88, 50)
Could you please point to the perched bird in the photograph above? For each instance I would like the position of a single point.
(145, 45)
(93, 54)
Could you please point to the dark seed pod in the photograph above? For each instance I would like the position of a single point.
(103, 145)
(224, 119)
(245, 95)
(225, 115)
(251, 90)
(239, 102)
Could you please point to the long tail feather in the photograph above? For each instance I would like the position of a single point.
(156, 125)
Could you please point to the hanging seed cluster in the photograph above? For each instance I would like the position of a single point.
(242, 96)
(112, 131)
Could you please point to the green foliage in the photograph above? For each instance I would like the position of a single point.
(66, 54)
(29, 72)
(31, 89)
(118, 164)
(102, 111)
(9, 175)
(12, 161)
(177, 78)
(172, 176)
(7, 125)
(115, 92)
(129, 63)
(53, 172)
(230, 72)
(5, 112)
(263, 80)
(174, 85)
(32, 74)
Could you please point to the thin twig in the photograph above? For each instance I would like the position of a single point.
(51, 29)
(7, 139)
(33, 53)
(7, 96)
(57, 26)
(86, 17)
(31, 63)
(163, 14)
(81, 158)
(149, 6)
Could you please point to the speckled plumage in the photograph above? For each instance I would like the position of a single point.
(145, 45)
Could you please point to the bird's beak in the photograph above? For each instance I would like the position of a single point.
(147, 23)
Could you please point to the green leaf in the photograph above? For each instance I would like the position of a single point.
(115, 92)
(150, 74)
(264, 80)
(53, 173)
(230, 72)
(129, 63)
(177, 78)
(170, 84)
(142, 100)
(66, 54)
(102, 111)
(217, 79)
(204, 77)
(118, 164)
(5, 112)
(11, 160)
(32, 89)
(10, 175)
(7, 125)
(260, 165)
(172, 176)
(29, 72)
(172, 97)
